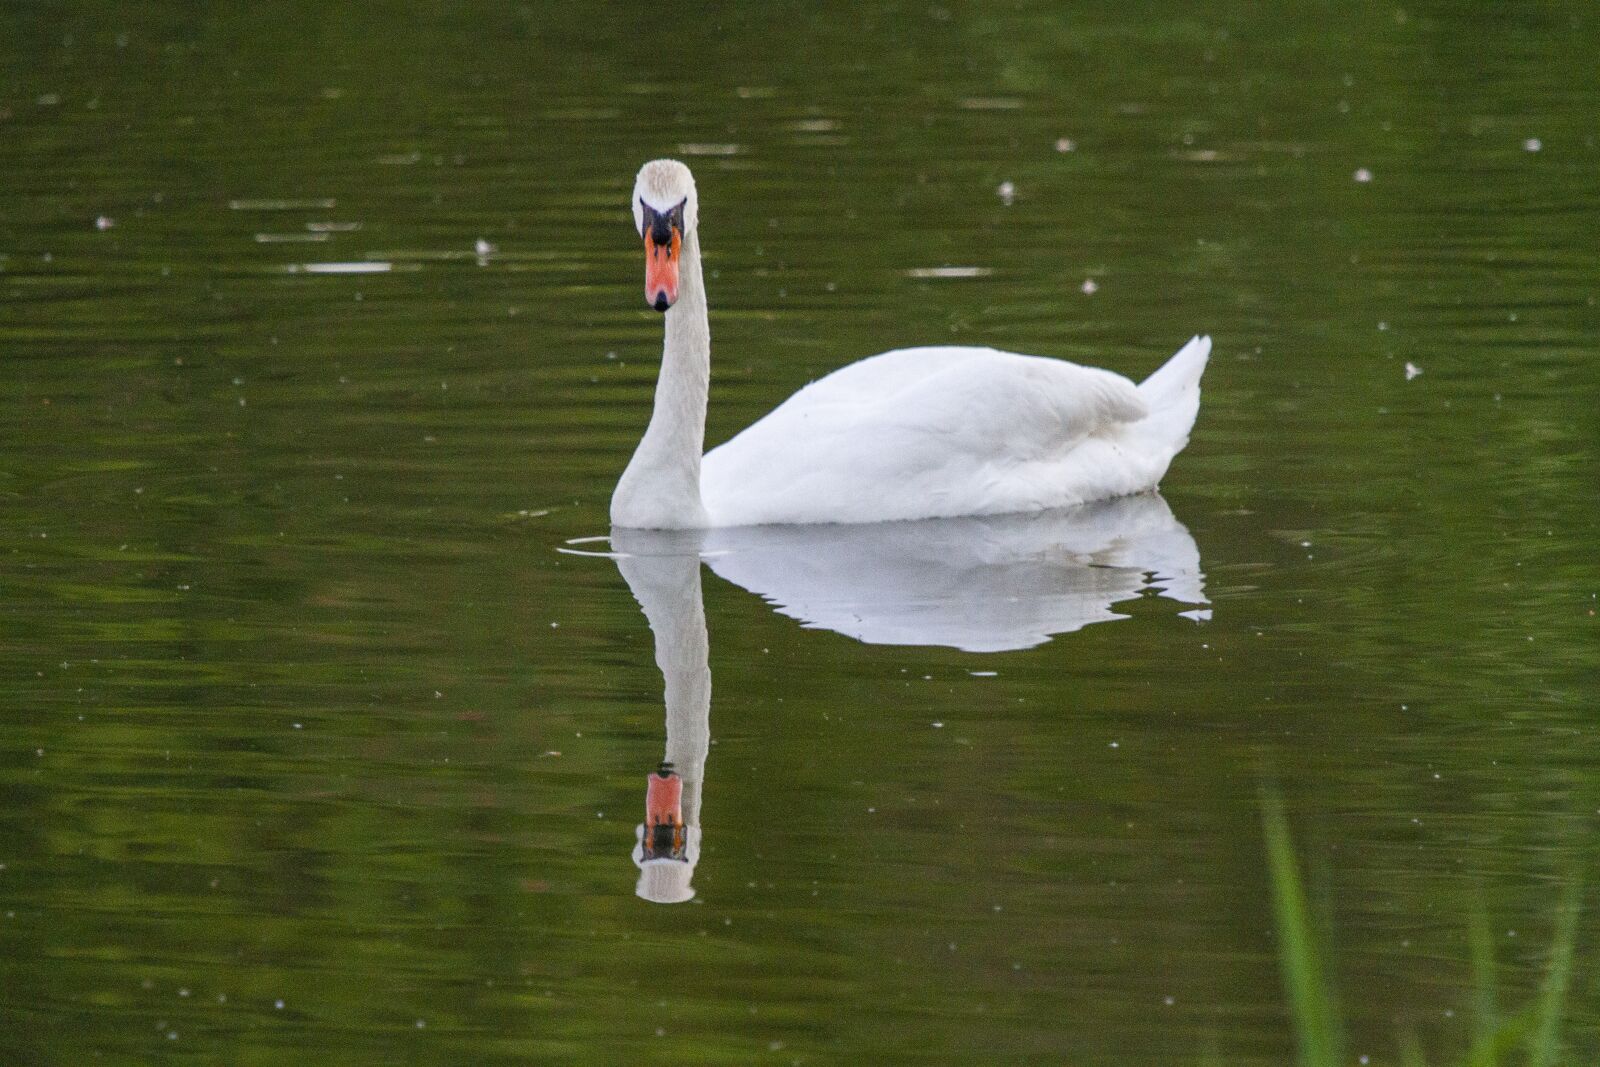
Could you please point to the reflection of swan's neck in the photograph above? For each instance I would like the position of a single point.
(668, 589)
(682, 653)
(661, 487)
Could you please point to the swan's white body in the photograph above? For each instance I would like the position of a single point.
(910, 434)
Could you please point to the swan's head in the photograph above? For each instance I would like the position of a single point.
(664, 212)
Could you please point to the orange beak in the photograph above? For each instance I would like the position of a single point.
(661, 270)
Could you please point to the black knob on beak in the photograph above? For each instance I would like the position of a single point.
(661, 302)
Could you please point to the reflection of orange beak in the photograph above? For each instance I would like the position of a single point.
(663, 800)
(661, 271)
(664, 832)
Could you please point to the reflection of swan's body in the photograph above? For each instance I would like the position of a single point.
(983, 584)
(909, 434)
(667, 587)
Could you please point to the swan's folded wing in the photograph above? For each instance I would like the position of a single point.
(912, 433)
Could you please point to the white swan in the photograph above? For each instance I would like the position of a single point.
(910, 434)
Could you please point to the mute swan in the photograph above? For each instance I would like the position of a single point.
(910, 434)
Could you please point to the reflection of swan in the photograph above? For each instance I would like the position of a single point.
(983, 584)
(980, 584)
(665, 579)
(908, 434)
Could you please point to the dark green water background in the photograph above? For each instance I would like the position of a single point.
(288, 651)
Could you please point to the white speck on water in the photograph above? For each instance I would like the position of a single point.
(1383, 327)
(1007, 192)
(938, 726)
(1065, 144)
(1362, 175)
(183, 992)
(437, 695)
(1089, 287)
(872, 811)
(1412, 370)
(984, 674)
(298, 726)
(172, 1035)
(1364, 1059)
(1115, 744)
(104, 222)
(483, 248)
(422, 1024)
(1532, 144)
(278, 1004)
(1168, 1001)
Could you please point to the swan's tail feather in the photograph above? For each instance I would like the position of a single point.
(1172, 394)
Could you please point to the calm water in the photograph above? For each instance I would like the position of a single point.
(322, 743)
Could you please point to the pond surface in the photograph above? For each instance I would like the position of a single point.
(327, 722)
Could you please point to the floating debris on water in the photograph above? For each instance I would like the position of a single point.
(1362, 175)
(1066, 144)
(710, 149)
(1089, 287)
(1007, 192)
(483, 248)
(949, 272)
(1412, 370)
(1532, 144)
(363, 267)
(282, 205)
(104, 222)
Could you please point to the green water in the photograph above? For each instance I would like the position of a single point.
(317, 747)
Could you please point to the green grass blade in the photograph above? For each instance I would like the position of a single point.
(1311, 1002)
(1411, 1050)
(1545, 1042)
(1485, 1001)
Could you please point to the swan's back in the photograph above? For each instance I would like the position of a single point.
(941, 431)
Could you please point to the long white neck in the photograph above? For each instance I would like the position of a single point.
(660, 490)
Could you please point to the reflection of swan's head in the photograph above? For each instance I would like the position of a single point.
(665, 211)
(666, 850)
